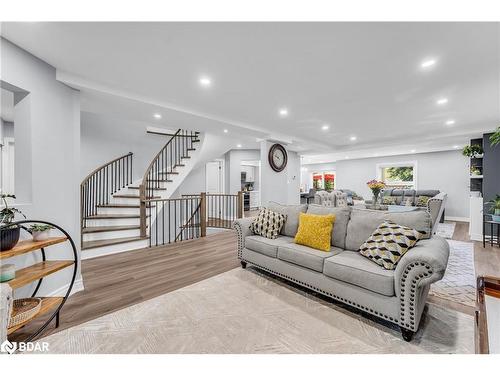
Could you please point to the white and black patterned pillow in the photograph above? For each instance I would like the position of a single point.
(268, 223)
(389, 243)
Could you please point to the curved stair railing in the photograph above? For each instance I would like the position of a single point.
(162, 167)
(97, 188)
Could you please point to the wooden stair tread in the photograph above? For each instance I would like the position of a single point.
(191, 149)
(119, 205)
(48, 303)
(132, 196)
(154, 180)
(156, 188)
(113, 216)
(168, 172)
(111, 228)
(37, 271)
(180, 165)
(86, 245)
(27, 246)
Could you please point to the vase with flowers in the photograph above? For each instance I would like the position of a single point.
(376, 187)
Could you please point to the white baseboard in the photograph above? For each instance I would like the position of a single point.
(61, 292)
(457, 218)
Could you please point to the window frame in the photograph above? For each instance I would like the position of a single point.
(411, 163)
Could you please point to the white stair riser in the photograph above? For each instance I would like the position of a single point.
(125, 200)
(112, 222)
(111, 235)
(113, 249)
(118, 211)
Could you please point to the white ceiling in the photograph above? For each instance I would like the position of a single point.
(7, 105)
(362, 79)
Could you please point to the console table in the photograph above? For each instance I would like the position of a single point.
(494, 226)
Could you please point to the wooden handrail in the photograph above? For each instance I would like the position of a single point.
(104, 166)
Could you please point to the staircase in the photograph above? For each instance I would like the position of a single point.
(115, 208)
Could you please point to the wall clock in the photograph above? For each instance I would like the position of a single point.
(277, 157)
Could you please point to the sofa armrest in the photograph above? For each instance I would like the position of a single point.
(242, 227)
(421, 266)
(435, 207)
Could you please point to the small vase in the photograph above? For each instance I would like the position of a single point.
(40, 236)
(375, 199)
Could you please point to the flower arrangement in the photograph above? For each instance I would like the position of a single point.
(376, 187)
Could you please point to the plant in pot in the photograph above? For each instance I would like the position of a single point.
(495, 137)
(9, 233)
(495, 208)
(472, 151)
(40, 232)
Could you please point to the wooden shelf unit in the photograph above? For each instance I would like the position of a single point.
(48, 303)
(27, 246)
(37, 271)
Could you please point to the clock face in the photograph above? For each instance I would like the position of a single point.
(277, 157)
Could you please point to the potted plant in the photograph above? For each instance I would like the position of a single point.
(9, 233)
(495, 137)
(40, 232)
(475, 171)
(495, 208)
(472, 151)
(376, 187)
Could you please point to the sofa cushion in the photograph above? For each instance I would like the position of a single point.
(388, 200)
(364, 222)
(266, 246)
(305, 256)
(315, 231)
(389, 243)
(427, 193)
(353, 268)
(292, 216)
(341, 219)
(422, 200)
(268, 223)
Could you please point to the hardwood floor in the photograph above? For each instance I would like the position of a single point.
(116, 281)
(120, 280)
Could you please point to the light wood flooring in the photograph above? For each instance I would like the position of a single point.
(116, 281)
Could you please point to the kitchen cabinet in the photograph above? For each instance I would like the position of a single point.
(250, 173)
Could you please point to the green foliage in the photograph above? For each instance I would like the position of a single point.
(399, 173)
(7, 214)
(472, 151)
(40, 227)
(494, 203)
(495, 137)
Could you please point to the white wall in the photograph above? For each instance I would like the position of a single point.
(194, 183)
(446, 171)
(104, 139)
(49, 141)
(282, 187)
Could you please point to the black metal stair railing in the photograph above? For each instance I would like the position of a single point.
(162, 169)
(97, 188)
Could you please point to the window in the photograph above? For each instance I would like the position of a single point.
(398, 175)
(324, 180)
(318, 181)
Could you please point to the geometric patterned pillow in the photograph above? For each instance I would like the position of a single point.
(389, 243)
(268, 223)
(422, 201)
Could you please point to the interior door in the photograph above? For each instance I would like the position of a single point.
(214, 185)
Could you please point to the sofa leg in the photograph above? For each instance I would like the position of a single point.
(243, 264)
(407, 334)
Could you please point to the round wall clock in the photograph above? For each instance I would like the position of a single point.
(277, 157)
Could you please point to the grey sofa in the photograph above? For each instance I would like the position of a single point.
(343, 274)
(334, 198)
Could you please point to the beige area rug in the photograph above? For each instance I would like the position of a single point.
(247, 311)
(459, 281)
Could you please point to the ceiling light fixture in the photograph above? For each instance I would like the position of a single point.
(347, 157)
(205, 81)
(157, 116)
(413, 151)
(456, 147)
(450, 122)
(325, 127)
(225, 130)
(238, 145)
(428, 63)
(442, 101)
(283, 112)
(353, 138)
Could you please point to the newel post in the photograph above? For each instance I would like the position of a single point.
(203, 214)
(240, 204)
(142, 199)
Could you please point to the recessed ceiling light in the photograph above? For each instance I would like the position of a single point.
(375, 154)
(238, 145)
(225, 130)
(413, 151)
(450, 122)
(283, 112)
(325, 127)
(353, 138)
(442, 101)
(456, 147)
(157, 116)
(346, 157)
(205, 81)
(428, 63)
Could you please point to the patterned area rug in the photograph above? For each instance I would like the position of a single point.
(459, 281)
(445, 230)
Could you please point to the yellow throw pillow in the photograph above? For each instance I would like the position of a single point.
(315, 231)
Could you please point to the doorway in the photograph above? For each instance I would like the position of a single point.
(215, 177)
